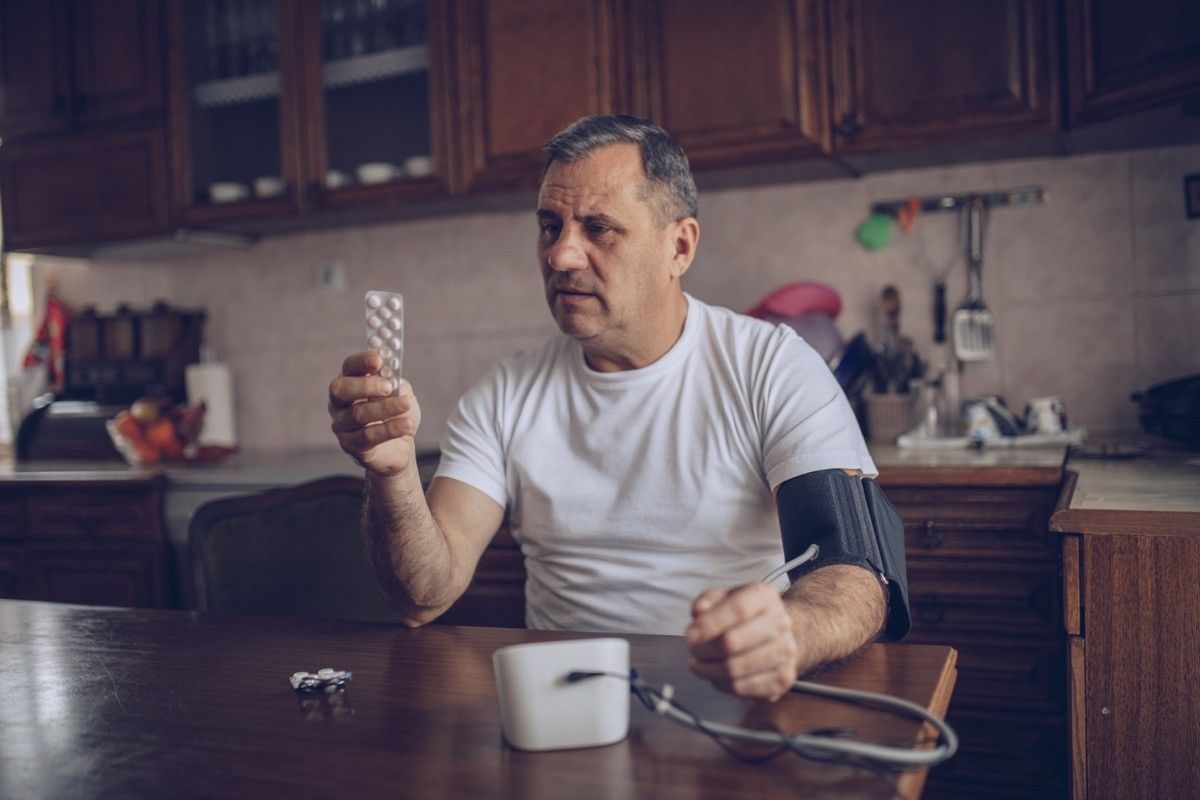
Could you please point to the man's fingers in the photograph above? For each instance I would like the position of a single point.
(364, 363)
(761, 657)
(764, 629)
(345, 390)
(366, 413)
(707, 600)
(366, 438)
(737, 606)
(770, 685)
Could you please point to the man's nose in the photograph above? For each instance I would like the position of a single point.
(566, 253)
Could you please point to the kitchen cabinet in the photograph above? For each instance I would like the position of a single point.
(1126, 55)
(1131, 565)
(81, 100)
(915, 74)
(99, 542)
(281, 107)
(84, 188)
(984, 576)
(78, 64)
(734, 87)
(524, 71)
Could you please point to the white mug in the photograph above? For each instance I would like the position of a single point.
(227, 192)
(541, 710)
(269, 186)
(1045, 415)
(376, 172)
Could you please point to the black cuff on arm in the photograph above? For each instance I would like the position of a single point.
(851, 521)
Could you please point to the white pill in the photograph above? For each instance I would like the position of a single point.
(396, 364)
(374, 301)
(386, 372)
(385, 313)
(385, 351)
(395, 324)
(326, 674)
(396, 343)
(394, 303)
(374, 321)
(374, 342)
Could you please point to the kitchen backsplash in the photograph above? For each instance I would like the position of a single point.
(1095, 294)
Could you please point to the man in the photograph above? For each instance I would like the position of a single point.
(638, 454)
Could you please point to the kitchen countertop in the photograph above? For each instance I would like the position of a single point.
(1158, 495)
(967, 467)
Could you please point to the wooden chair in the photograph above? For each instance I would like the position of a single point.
(296, 551)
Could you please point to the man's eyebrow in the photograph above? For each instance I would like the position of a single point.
(546, 215)
(604, 219)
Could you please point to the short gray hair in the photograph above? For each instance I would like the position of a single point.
(663, 160)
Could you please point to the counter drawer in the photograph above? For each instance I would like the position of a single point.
(12, 516)
(82, 514)
(973, 524)
(979, 598)
(1003, 756)
(998, 674)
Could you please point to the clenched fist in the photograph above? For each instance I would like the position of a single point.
(371, 424)
(742, 640)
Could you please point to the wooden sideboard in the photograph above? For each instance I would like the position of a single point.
(1130, 590)
(95, 540)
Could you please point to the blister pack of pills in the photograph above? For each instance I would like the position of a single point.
(385, 331)
(327, 679)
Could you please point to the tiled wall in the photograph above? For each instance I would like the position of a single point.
(1095, 294)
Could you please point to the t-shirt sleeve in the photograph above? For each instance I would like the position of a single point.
(472, 446)
(806, 422)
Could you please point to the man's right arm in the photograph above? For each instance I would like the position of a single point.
(424, 549)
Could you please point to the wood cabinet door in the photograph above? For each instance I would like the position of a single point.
(91, 574)
(10, 571)
(1126, 55)
(915, 73)
(84, 188)
(35, 81)
(118, 62)
(733, 85)
(526, 69)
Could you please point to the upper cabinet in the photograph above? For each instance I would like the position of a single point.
(524, 70)
(731, 84)
(918, 73)
(81, 102)
(234, 108)
(279, 107)
(375, 101)
(74, 64)
(1126, 55)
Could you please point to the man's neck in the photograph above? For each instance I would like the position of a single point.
(652, 345)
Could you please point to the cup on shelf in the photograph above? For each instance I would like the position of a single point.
(377, 172)
(336, 179)
(418, 166)
(1045, 415)
(269, 186)
(227, 192)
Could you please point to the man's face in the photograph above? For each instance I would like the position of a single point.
(605, 253)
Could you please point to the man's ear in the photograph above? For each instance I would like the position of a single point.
(685, 235)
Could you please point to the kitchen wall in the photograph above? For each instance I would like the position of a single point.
(1095, 294)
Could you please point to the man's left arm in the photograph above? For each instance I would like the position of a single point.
(751, 642)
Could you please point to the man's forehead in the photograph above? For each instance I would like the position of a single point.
(606, 176)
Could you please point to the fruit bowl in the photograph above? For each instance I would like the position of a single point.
(152, 431)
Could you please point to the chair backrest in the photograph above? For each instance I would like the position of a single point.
(296, 551)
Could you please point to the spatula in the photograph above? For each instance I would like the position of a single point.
(972, 324)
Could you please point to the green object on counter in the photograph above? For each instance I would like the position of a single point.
(875, 231)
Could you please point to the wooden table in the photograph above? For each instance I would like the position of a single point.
(145, 703)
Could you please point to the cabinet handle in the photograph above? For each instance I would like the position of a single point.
(849, 126)
(930, 610)
(932, 538)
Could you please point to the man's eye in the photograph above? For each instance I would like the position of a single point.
(596, 229)
(549, 228)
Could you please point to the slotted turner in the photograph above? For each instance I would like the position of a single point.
(972, 324)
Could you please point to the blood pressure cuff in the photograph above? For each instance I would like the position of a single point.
(851, 521)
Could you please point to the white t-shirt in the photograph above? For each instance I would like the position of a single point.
(632, 492)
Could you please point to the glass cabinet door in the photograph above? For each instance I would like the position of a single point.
(232, 108)
(376, 98)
